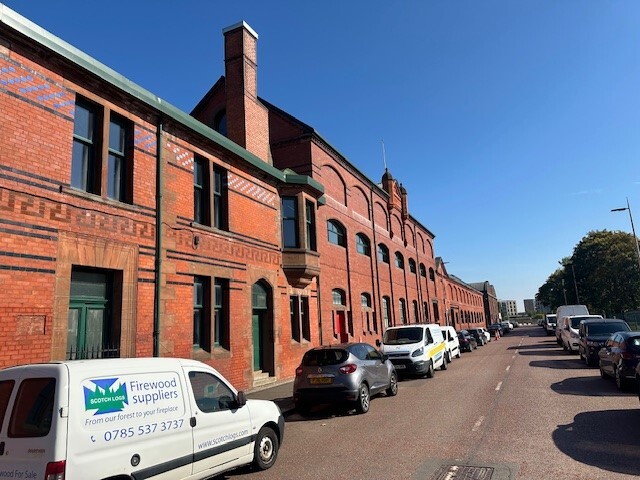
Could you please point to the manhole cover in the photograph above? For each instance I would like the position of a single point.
(462, 472)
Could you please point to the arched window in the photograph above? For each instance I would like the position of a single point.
(432, 275)
(383, 253)
(425, 308)
(403, 311)
(386, 311)
(416, 312)
(399, 260)
(365, 300)
(363, 245)
(412, 265)
(423, 271)
(368, 320)
(338, 297)
(336, 233)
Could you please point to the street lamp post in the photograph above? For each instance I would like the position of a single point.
(633, 230)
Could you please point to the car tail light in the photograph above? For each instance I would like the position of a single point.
(298, 371)
(347, 369)
(55, 471)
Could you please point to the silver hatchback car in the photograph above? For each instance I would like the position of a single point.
(346, 373)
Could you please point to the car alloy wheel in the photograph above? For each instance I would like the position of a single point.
(392, 391)
(362, 405)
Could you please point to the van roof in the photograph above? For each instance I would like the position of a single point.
(116, 363)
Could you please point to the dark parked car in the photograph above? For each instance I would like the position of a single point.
(478, 334)
(593, 333)
(467, 342)
(619, 358)
(346, 373)
(496, 327)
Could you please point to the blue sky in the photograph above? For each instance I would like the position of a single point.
(513, 125)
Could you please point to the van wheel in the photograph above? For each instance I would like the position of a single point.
(430, 371)
(265, 450)
(444, 363)
(392, 391)
(458, 354)
(602, 374)
(364, 399)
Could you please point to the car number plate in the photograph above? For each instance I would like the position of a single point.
(320, 380)
(400, 367)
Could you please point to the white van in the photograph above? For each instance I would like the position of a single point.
(565, 311)
(415, 349)
(133, 418)
(569, 331)
(451, 340)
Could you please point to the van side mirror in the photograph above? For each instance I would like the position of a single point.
(241, 399)
(378, 342)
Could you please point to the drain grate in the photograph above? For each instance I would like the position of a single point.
(462, 472)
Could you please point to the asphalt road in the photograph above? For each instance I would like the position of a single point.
(517, 408)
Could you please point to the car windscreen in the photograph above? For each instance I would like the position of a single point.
(606, 328)
(317, 358)
(400, 336)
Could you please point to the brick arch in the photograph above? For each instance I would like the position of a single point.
(428, 249)
(409, 235)
(334, 184)
(380, 216)
(420, 242)
(396, 225)
(359, 202)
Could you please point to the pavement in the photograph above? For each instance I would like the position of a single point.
(280, 393)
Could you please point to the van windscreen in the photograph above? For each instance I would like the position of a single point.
(33, 408)
(399, 336)
(6, 387)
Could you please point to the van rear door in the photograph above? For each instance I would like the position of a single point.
(30, 416)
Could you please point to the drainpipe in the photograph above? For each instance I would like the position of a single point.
(158, 260)
(319, 309)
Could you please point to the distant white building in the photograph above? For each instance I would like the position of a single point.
(508, 307)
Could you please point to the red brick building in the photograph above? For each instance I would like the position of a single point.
(129, 228)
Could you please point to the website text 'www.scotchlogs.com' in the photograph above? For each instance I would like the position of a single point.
(227, 437)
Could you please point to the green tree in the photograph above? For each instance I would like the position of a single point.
(607, 275)
(607, 272)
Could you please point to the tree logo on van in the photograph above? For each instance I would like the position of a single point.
(107, 396)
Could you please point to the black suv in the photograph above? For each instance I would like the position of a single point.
(593, 333)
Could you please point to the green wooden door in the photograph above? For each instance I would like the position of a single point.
(85, 329)
(257, 340)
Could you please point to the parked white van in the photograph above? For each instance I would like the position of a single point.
(133, 418)
(451, 340)
(415, 349)
(565, 311)
(569, 331)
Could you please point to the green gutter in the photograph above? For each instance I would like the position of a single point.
(36, 33)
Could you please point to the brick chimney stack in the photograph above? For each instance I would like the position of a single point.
(247, 118)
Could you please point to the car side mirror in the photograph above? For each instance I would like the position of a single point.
(241, 399)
